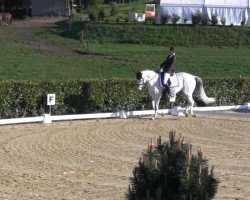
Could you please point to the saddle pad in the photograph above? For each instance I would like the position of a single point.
(173, 81)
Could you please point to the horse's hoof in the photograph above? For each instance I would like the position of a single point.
(152, 118)
(193, 115)
(186, 115)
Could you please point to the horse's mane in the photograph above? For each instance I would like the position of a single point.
(148, 71)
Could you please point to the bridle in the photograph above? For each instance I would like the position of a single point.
(144, 82)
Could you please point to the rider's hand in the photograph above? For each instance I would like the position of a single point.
(158, 70)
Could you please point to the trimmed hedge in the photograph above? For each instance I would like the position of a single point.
(181, 35)
(29, 98)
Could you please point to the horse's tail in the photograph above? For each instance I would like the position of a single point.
(200, 93)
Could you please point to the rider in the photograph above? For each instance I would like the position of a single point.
(168, 65)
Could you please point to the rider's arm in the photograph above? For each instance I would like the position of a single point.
(163, 64)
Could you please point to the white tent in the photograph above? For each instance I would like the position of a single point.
(232, 11)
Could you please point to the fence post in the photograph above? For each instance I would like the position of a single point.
(87, 44)
(82, 34)
(39, 44)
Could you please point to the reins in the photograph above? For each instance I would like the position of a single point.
(151, 78)
(148, 80)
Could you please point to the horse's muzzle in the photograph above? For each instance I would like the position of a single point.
(139, 87)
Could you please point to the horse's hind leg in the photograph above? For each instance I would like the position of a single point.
(189, 108)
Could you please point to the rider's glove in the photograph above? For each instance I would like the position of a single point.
(159, 69)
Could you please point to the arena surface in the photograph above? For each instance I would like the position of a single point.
(93, 159)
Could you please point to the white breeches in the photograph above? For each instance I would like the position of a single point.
(166, 77)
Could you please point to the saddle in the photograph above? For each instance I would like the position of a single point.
(172, 81)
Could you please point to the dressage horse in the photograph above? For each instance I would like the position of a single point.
(6, 17)
(189, 85)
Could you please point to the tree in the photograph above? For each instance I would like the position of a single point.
(170, 171)
(17, 4)
(92, 3)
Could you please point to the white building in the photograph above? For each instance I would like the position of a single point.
(232, 11)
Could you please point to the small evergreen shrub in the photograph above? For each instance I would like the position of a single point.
(243, 22)
(175, 18)
(113, 10)
(170, 171)
(196, 17)
(165, 18)
(214, 20)
(101, 14)
(223, 21)
(93, 15)
(204, 20)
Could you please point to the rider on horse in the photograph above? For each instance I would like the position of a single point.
(168, 66)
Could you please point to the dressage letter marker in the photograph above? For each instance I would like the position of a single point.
(51, 100)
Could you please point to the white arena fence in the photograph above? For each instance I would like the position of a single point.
(176, 111)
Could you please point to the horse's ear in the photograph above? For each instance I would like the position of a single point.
(139, 75)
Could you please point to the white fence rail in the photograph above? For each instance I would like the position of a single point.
(177, 111)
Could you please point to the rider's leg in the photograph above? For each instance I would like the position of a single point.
(172, 72)
(166, 77)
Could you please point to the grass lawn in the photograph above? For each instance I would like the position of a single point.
(20, 61)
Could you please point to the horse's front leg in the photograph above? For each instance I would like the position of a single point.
(188, 111)
(155, 104)
(154, 108)
(192, 111)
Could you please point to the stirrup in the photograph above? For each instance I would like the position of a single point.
(171, 95)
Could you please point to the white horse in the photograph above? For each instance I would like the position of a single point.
(189, 85)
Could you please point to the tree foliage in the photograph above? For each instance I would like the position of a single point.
(171, 171)
(15, 3)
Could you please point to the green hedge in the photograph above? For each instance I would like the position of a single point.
(26, 98)
(181, 35)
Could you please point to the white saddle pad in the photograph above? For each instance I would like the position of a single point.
(174, 82)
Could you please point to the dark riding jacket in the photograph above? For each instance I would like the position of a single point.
(169, 64)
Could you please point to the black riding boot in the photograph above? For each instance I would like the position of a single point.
(167, 89)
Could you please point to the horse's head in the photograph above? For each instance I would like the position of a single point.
(144, 77)
(140, 80)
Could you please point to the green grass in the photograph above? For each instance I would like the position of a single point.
(20, 61)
